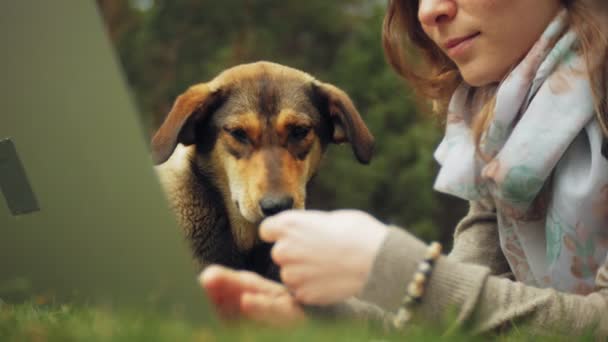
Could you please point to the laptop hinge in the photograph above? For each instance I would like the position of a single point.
(14, 184)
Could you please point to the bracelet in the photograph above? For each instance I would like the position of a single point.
(415, 289)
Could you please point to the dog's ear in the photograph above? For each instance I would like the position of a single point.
(194, 104)
(347, 123)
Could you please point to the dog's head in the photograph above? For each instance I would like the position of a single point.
(260, 131)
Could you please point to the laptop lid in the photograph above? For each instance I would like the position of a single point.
(84, 217)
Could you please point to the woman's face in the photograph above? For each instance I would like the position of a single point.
(485, 38)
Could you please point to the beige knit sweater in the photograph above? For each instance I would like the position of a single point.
(473, 279)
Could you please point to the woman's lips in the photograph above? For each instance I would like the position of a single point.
(457, 46)
(453, 42)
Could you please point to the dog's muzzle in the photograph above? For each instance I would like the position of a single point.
(274, 204)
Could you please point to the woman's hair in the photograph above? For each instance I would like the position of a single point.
(434, 76)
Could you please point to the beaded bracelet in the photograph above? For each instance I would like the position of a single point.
(415, 289)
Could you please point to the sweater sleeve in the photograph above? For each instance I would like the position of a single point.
(476, 240)
(485, 302)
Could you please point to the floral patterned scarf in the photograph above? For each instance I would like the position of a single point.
(546, 175)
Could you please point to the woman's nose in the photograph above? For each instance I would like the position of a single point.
(434, 12)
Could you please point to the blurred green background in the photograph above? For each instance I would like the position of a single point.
(167, 45)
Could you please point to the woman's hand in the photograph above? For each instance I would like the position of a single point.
(325, 257)
(237, 294)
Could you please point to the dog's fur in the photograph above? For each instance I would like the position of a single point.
(244, 146)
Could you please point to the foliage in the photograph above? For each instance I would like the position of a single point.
(173, 44)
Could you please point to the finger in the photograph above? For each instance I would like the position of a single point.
(222, 279)
(309, 295)
(275, 311)
(284, 252)
(275, 227)
(210, 275)
(218, 277)
(256, 306)
(294, 276)
(252, 282)
(224, 294)
(318, 292)
(225, 288)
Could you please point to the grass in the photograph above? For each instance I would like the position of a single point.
(31, 321)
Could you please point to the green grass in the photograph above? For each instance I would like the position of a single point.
(55, 322)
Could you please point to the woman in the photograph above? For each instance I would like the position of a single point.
(523, 85)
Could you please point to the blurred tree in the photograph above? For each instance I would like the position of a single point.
(167, 45)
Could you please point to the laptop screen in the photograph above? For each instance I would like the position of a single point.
(96, 226)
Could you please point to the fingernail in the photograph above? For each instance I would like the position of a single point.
(206, 274)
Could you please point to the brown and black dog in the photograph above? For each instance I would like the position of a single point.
(243, 147)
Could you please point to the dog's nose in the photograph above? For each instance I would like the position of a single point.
(271, 205)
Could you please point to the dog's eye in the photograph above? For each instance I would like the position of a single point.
(299, 132)
(239, 134)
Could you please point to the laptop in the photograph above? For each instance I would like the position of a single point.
(83, 217)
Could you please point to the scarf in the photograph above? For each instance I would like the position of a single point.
(545, 174)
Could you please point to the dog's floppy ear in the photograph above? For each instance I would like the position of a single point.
(194, 104)
(348, 125)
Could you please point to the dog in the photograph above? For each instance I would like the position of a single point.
(244, 146)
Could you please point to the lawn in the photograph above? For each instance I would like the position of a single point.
(31, 321)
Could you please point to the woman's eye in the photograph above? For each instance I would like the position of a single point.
(239, 134)
(299, 132)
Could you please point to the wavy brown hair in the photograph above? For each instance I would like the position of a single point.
(433, 76)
